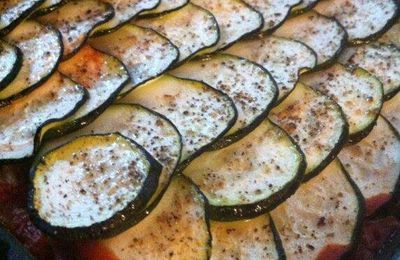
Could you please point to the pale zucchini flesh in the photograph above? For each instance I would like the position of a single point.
(358, 93)
(322, 218)
(10, 63)
(41, 48)
(75, 20)
(200, 113)
(249, 177)
(145, 53)
(284, 59)
(392, 36)
(391, 111)
(235, 20)
(362, 19)
(166, 6)
(22, 119)
(380, 60)
(190, 28)
(315, 122)
(48, 6)
(250, 86)
(374, 164)
(176, 229)
(324, 35)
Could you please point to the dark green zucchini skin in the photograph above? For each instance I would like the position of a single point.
(118, 223)
(277, 239)
(11, 248)
(14, 72)
(43, 11)
(298, 11)
(151, 15)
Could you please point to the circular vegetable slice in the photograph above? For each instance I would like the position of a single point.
(322, 219)
(380, 60)
(324, 35)
(358, 93)
(391, 111)
(249, 177)
(316, 123)
(166, 6)
(392, 36)
(91, 187)
(284, 59)
(10, 63)
(374, 164)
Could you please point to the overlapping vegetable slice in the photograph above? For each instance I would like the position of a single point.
(315, 122)
(321, 220)
(200, 113)
(391, 111)
(374, 164)
(166, 6)
(48, 6)
(75, 20)
(284, 59)
(358, 93)
(249, 177)
(324, 35)
(362, 19)
(22, 119)
(10, 63)
(145, 53)
(190, 28)
(250, 87)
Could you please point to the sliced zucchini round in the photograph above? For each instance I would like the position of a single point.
(391, 111)
(250, 86)
(363, 19)
(392, 36)
(374, 164)
(10, 63)
(41, 49)
(324, 35)
(166, 6)
(274, 12)
(12, 12)
(316, 123)
(91, 187)
(201, 114)
(176, 229)
(190, 28)
(358, 93)
(284, 59)
(125, 10)
(245, 239)
(102, 75)
(235, 20)
(22, 119)
(251, 176)
(322, 219)
(48, 6)
(75, 20)
(145, 53)
(304, 6)
(11, 248)
(381, 60)
(152, 131)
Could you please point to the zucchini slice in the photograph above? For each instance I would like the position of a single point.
(145, 53)
(322, 219)
(304, 6)
(21, 120)
(12, 12)
(176, 229)
(102, 75)
(251, 176)
(201, 114)
(391, 111)
(250, 87)
(274, 12)
(381, 60)
(125, 10)
(358, 93)
(324, 35)
(363, 19)
(392, 36)
(91, 187)
(190, 28)
(315, 122)
(374, 164)
(152, 131)
(75, 20)
(284, 59)
(10, 63)
(235, 20)
(166, 6)
(11, 248)
(245, 239)
(41, 49)
(48, 6)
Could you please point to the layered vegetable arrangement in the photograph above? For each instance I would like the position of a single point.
(168, 129)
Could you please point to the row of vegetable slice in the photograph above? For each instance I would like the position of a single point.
(229, 115)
